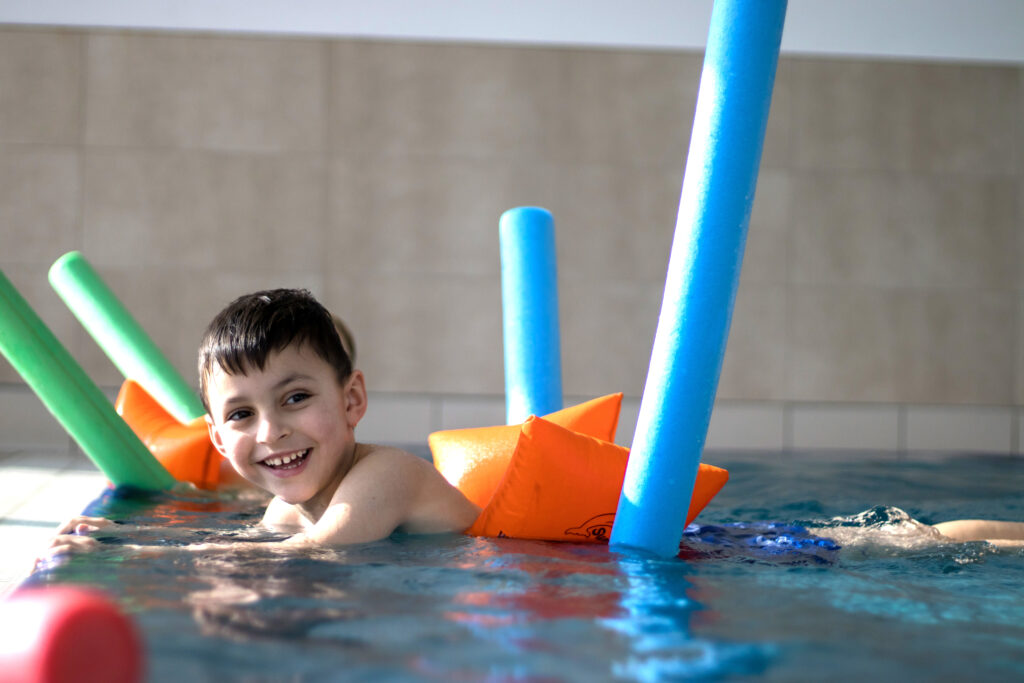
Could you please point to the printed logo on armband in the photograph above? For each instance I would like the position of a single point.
(597, 528)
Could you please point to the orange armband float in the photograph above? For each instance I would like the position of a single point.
(474, 460)
(556, 478)
(184, 449)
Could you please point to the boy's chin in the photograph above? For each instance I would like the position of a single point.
(291, 500)
(292, 497)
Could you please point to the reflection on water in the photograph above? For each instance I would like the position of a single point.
(827, 580)
(441, 608)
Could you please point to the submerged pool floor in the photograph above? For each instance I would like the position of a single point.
(758, 590)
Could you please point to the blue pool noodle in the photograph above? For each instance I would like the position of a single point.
(529, 293)
(703, 273)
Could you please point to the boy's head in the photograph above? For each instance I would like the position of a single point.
(252, 327)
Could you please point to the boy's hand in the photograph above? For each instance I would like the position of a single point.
(82, 525)
(65, 544)
(72, 538)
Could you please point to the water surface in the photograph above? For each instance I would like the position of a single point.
(805, 567)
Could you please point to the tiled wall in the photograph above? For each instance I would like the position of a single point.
(881, 297)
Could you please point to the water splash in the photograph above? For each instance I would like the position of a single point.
(880, 531)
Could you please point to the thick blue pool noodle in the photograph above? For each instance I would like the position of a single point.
(703, 273)
(529, 292)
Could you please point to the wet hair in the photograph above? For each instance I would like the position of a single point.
(250, 328)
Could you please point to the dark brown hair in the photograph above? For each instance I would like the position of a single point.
(253, 326)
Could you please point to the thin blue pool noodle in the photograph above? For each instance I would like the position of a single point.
(529, 294)
(703, 273)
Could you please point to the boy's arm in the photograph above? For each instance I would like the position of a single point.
(280, 516)
(390, 490)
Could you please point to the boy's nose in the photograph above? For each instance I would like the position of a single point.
(271, 429)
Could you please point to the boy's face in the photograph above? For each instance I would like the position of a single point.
(288, 428)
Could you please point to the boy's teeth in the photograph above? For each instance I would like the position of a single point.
(285, 459)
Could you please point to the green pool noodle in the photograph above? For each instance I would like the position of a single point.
(123, 340)
(77, 403)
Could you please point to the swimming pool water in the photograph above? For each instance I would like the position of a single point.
(754, 594)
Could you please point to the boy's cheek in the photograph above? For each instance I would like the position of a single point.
(240, 470)
(229, 445)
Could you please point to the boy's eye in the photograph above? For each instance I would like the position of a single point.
(296, 397)
(239, 414)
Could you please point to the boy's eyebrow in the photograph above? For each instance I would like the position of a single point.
(283, 382)
(295, 376)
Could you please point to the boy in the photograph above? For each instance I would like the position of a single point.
(283, 402)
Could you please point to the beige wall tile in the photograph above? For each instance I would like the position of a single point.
(211, 92)
(426, 215)
(746, 426)
(607, 328)
(755, 358)
(781, 130)
(766, 257)
(881, 262)
(950, 428)
(217, 287)
(396, 419)
(905, 116)
(1018, 366)
(614, 222)
(40, 189)
(847, 427)
(464, 412)
(26, 423)
(962, 114)
(902, 345)
(841, 232)
(40, 92)
(423, 333)
(1019, 126)
(957, 230)
(855, 228)
(203, 210)
(628, 416)
(1019, 251)
(629, 108)
(955, 347)
(842, 345)
(853, 114)
(465, 101)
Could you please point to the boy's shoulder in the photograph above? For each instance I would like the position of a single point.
(387, 473)
(378, 470)
(374, 459)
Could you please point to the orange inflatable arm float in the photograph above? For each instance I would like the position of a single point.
(185, 450)
(549, 482)
(474, 460)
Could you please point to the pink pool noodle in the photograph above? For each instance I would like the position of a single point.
(65, 634)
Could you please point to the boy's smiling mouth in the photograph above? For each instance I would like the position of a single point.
(287, 462)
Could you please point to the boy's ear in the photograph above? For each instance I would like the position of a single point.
(218, 443)
(355, 398)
